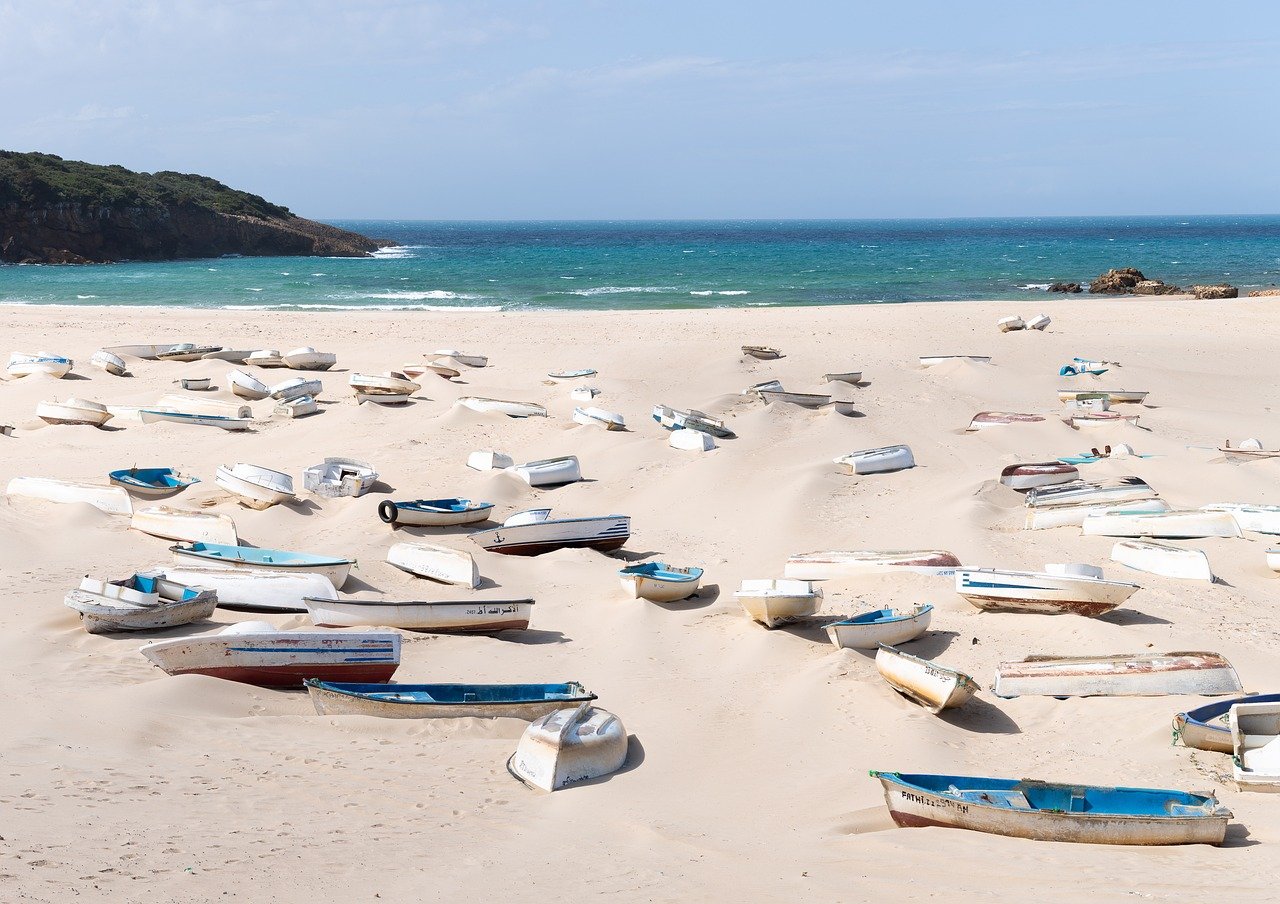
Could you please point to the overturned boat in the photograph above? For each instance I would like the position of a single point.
(994, 590)
(569, 745)
(1120, 675)
(534, 532)
(836, 564)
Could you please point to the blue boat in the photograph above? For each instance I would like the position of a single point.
(1093, 456)
(453, 701)
(1208, 727)
(883, 626)
(223, 555)
(1077, 370)
(153, 482)
(660, 582)
(1051, 811)
(434, 512)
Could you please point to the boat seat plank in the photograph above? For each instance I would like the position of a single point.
(1002, 797)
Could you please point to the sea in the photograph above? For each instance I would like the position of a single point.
(579, 265)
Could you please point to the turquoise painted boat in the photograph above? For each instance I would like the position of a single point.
(219, 555)
(453, 701)
(151, 482)
(660, 582)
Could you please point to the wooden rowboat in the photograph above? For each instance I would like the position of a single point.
(985, 420)
(446, 701)
(883, 626)
(933, 686)
(1031, 475)
(143, 602)
(994, 590)
(429, 616)
(433, 512)
(659, 582)
(218, 555)
(1122, 675)
(763, 352)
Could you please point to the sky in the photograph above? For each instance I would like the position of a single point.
(606, 109)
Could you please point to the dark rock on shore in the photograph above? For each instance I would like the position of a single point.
(1155, 287)
(1212, 293)
(1265, 293)
(1117, 282)
(1071, 287)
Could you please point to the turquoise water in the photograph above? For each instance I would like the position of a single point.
(598, 265)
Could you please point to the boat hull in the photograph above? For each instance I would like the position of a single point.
(1144, 675)
(281, 659)
(330, 701)
(191, 527)
(112, 500)
(1163, 559)
(604, 534)
(405, 514)
(1045, 594)
(877, 461)
(1162, 525)
(464, 617)
(658, 589)
(1208, 727)
(776, 603)
(569, 746)
(436, 563)
(821, 566)
(932, 686)
(255, 590)
(870, 635)
(335, 571)
(101, 616)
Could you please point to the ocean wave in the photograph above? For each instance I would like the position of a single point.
(395, 252)
(705, 292)
(407, 295)
(309, 306)
(617, 290)
(1042, 286)
(251, 289)
(82, 297)
(762, 304)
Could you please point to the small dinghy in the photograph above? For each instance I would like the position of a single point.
(1049, 811)
(145, 352)
(1255, 745)
(985, 420)
(923, 681)
(109, 362)
(882, 626)
(254, 486)
(1163, 559)
(549, 472)
(583, 393)
(1169, 525)
(336, 477)
(247, 386)
(437, 563)
(186, 526)
(446, 701)
(418, 369)
(230, 355)
(691, 440)
(675, 419)
(389, 388)
(1039, 322)
(1253, 517)
(265, 357)
(1081, 369)
(1093, 456)
(151, 483)
(1113, 396)
(142, 602)
(1010, 324)
(1090, 419)
(219, 555)
(296, 388)
(489, 460)
(659, 582)
(1122, 675)
(599, 417)
(502, 406)
(187, 351)
(1208, 727)
(932, 360)
(572, 374)
(1046, 517)
(195, 384)
(24, 365)
(163, 416)
(433, 512)
(468, 360)
(799, 399)
(432, 617)
(762, 352)
(189, 404)
(295, 408)
(836, 564)
(994, 590)
(1113, 490)
(778, 601)
(1031, 475)
(534, 532)
(307, 358)
(569, 745)
(255, 652)
(255, 590)
(73, 411)
(112, 500)
(877, 461)
(1248, 450)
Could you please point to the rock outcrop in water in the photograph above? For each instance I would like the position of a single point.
(1068, 287)
(1155, 287)
(1212, 293)
(1117, 282)
(55, 211)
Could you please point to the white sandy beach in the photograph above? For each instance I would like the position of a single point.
(747, 778)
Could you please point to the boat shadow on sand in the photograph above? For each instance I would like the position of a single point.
(980, 717)
(532, 637)
(635, 758)
(1126, 617)
(1238, 836)
(706, 596)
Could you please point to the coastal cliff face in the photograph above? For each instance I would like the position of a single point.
(65, 212)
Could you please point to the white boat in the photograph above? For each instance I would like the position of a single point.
(192, 405)
(599, 417)
(1145, 674)
(933, 686)
(489, 460)
(1047, 517)
(549, 471)
(1255, 745)
(255, 589)
(112, 500)
(569, 745)
(985, 420)
(181, 524)
(169, 416)
(187, 351)
(1039, 322)
(1009, 324)
(418, 369)
(142, 602)
(296, 388)
(438, 563)
(1088, 402)
(659, 582)
(252, 558)
(1169, 525)
(1114, 396)
(583, 393)
(1248, 450)
(388, 388)
(510, 409)
(109, 362)
(258, 653)
(534, 532)
(1074, 569)
(254, 486)
(299, 407)
(336, 477)
(876, 461)
(572, 374)
(1091, 419)
(691, 440)
(230, 355)
(1032, 475)
(763, 352)
(434, 512)
(22, 364)
(195, 384)
(852, 377)
(265, 357)
(1163, 559)
(145, 352)
(247, 386)
(891, 627)
(1259, 519)
(777, 601)
(73, 411)
(676, 419)
(1114, 490)
(435, 617)
(468, 360)
(837, 564)
(801, 399)
(996, 590)
(307, 358)
(931, 360)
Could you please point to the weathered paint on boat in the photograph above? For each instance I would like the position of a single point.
(446, 701)
(1163, 559)
(774, 602)
(433, 616)
(821, 566)
(869, 630)
(933, 686)
(1124, 675)
(1208, 727)
(569, 745)
(996, 590)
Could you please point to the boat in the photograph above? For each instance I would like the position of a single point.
(418, 369)
(6, 429)
(763, 352)
(1273, 559)
(254, 589)
(583, 393)
(141, 602)
(502, 406)
(112, 500)
(572, 374)
(1088, 419)
(569, 745)
(1253, 517)
(1114, 490)
(931, 360)
(691, 440)
(1050, 811)
(109, 362)
(852, 377)
(247, 386)
(599, 417)
(254, 486)
(877, 461)
(1114, 396)
(299, 407)
(1120, 675)
(265, 357)
(1255, 745)
(160, 416)
(549, 471)
(221, 555)
(778, 601)
(836, 564)
(1046, 517)
(388, 388)
(1010, 324)
(1093, 456)
(255, 652)
(336, 477)
(996, 590)
(1081, 369)
(1163, 559)
(230, 355)
(935, 687)
(1087, 402)
(151, 483)
(73, 411)
(489, 460)
(194, 405)
(1168, 525)
(1039, 322)
(880, 626)
(24, 365)
(435, 617)
(187, 351)
(985, 420)
(433, 512)
(187, 526)
(195, 384)
(1248, 450)
(296, 388)
(800, 399)
(534, 532)
(145, 352)
(446, 701)
(659, 582)
(1032, 475)
(468, 360)
(438, 563)
(675, 419)
(1208, 727)
(307, 358)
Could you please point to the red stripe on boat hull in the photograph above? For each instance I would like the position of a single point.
(294, 674)
(537, 549)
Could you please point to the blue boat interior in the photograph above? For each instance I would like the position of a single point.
(663, 572)
(460, 693)
(252, 554)
(144, 583)
(883, 616)
(152, 478)
(1028, 794)
(443, 505)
